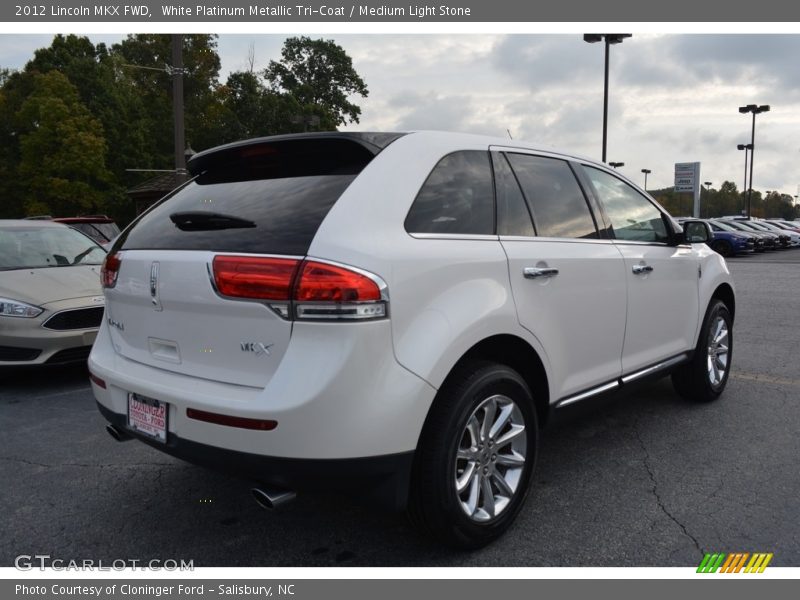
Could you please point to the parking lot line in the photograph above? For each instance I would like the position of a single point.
(766, 379)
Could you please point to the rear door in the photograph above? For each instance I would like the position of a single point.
(662, 280)
(568, 281)
(263, 200)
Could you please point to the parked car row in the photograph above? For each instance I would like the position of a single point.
(733, 236)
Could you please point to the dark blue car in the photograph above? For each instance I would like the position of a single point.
(730, 243)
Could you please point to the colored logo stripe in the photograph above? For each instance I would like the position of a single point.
(758, 563)
(734, 562)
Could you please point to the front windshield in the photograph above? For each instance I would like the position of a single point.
(38, 247)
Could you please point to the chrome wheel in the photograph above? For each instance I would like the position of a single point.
(718, 346)
(490, 458)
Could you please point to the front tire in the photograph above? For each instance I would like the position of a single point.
(476, 456)
(705, 377)
(723, 248)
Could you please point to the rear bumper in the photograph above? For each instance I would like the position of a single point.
(384, 479)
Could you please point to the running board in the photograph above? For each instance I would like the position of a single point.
(663, 366)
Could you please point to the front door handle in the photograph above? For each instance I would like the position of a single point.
(640, 269)
(539, 272)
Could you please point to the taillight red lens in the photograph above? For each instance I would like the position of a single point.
(320, 282)
(110, 270)
(255, 277)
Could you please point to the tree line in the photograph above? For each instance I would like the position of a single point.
(78, 115)
(727, 200)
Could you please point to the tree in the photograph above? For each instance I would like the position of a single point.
(320, 76)
(62, 150)
(154, 88)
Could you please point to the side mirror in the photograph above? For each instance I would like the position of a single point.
(697, 232)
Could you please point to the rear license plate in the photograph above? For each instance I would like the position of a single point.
(148, 416)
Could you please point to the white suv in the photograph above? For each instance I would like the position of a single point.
(398, 316)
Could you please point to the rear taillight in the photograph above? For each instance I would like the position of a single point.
(254, 277)
(110, 270)
(325, 291)
(302, 289)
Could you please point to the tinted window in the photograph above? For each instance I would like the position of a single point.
(457, 197)
(632, 216)
(513, 217)
(557, 201)
(265, 199)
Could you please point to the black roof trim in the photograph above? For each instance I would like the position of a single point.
(373, 142)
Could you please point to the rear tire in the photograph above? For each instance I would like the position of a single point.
(476, 456)
(704, 378)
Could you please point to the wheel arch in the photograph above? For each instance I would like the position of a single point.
(724, 293)
(518, 354)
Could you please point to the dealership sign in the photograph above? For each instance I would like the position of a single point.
(687, 176)
(687, 179)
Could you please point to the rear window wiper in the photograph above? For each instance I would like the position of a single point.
(208, 221)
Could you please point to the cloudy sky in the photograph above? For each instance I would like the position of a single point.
(674, 98)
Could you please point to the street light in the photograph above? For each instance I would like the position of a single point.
(646, 173)
(755, 109)
(616, 164)
(746, 148)
(610, 38)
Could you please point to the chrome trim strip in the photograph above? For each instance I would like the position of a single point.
(453, 236)
(587, 394)
(552, 240)
(670, 362)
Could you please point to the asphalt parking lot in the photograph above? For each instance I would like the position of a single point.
(643, 480)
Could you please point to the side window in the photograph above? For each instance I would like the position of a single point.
(556, 200)
(457, 197)
(513, 217)
(633, 217)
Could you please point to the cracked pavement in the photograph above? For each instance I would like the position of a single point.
(639, 479)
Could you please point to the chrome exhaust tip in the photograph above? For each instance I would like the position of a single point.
(117, 433)
(273, 499)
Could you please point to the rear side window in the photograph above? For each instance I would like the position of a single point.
(557, 201)
(457, 197)
(633, 217)
(264, 199)
(513, 217)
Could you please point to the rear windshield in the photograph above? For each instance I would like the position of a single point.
(264, 199)
(102, 232)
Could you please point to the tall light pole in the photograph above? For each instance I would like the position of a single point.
(755, 109)
(610, 38)
(616, 164)
(708, 188)
(646, 173)
(746, 148)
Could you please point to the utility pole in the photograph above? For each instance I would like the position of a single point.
(177, 106)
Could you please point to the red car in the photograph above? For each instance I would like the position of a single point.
(100, 228)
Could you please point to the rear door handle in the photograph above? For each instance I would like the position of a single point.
(640, 269)
(539, 272)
